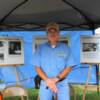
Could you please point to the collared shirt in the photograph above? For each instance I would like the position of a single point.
(53, 60)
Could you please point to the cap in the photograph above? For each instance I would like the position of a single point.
(52, 25)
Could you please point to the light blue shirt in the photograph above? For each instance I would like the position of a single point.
(53, 60)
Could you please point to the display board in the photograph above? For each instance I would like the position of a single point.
(11, 51)
(90, 49)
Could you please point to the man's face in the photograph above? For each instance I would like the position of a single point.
(53, 35)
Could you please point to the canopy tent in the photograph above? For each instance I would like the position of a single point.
(35, 14)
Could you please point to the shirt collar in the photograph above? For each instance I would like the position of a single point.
(56, 44)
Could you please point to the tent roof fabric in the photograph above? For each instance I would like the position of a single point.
(35, 14)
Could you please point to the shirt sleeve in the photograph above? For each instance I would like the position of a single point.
(70, 61)
(36, 57)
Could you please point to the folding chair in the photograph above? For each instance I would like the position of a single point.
(11, 91)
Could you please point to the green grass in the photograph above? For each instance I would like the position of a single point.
(90, 95)
(33, 93)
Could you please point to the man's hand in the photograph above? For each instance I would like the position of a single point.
(55, 79)
(51, 83)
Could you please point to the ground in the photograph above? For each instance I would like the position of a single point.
(91, 94)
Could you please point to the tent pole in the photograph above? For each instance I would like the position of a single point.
(87, 81)
(97, 76)
(17, 75)
(17, 78)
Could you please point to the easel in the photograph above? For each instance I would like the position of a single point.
(17, 78)
(87, 81)
(18, 84)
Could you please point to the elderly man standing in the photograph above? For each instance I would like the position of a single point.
(53, 61)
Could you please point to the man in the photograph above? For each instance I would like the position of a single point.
(53, 61)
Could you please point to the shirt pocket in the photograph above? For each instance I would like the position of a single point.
(60, 63)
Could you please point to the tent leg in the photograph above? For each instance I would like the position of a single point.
(22, 97)
(86, 85)
(18, 79)
(17, 75)
(97, 76)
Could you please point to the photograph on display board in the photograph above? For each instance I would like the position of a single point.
(1, 51)
(11, 51)
(1, 57)
(1, 44)
(90, 49)
(14, 48)
(64, 41)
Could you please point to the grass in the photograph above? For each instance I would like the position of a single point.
(90, 95)
(33, 93)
